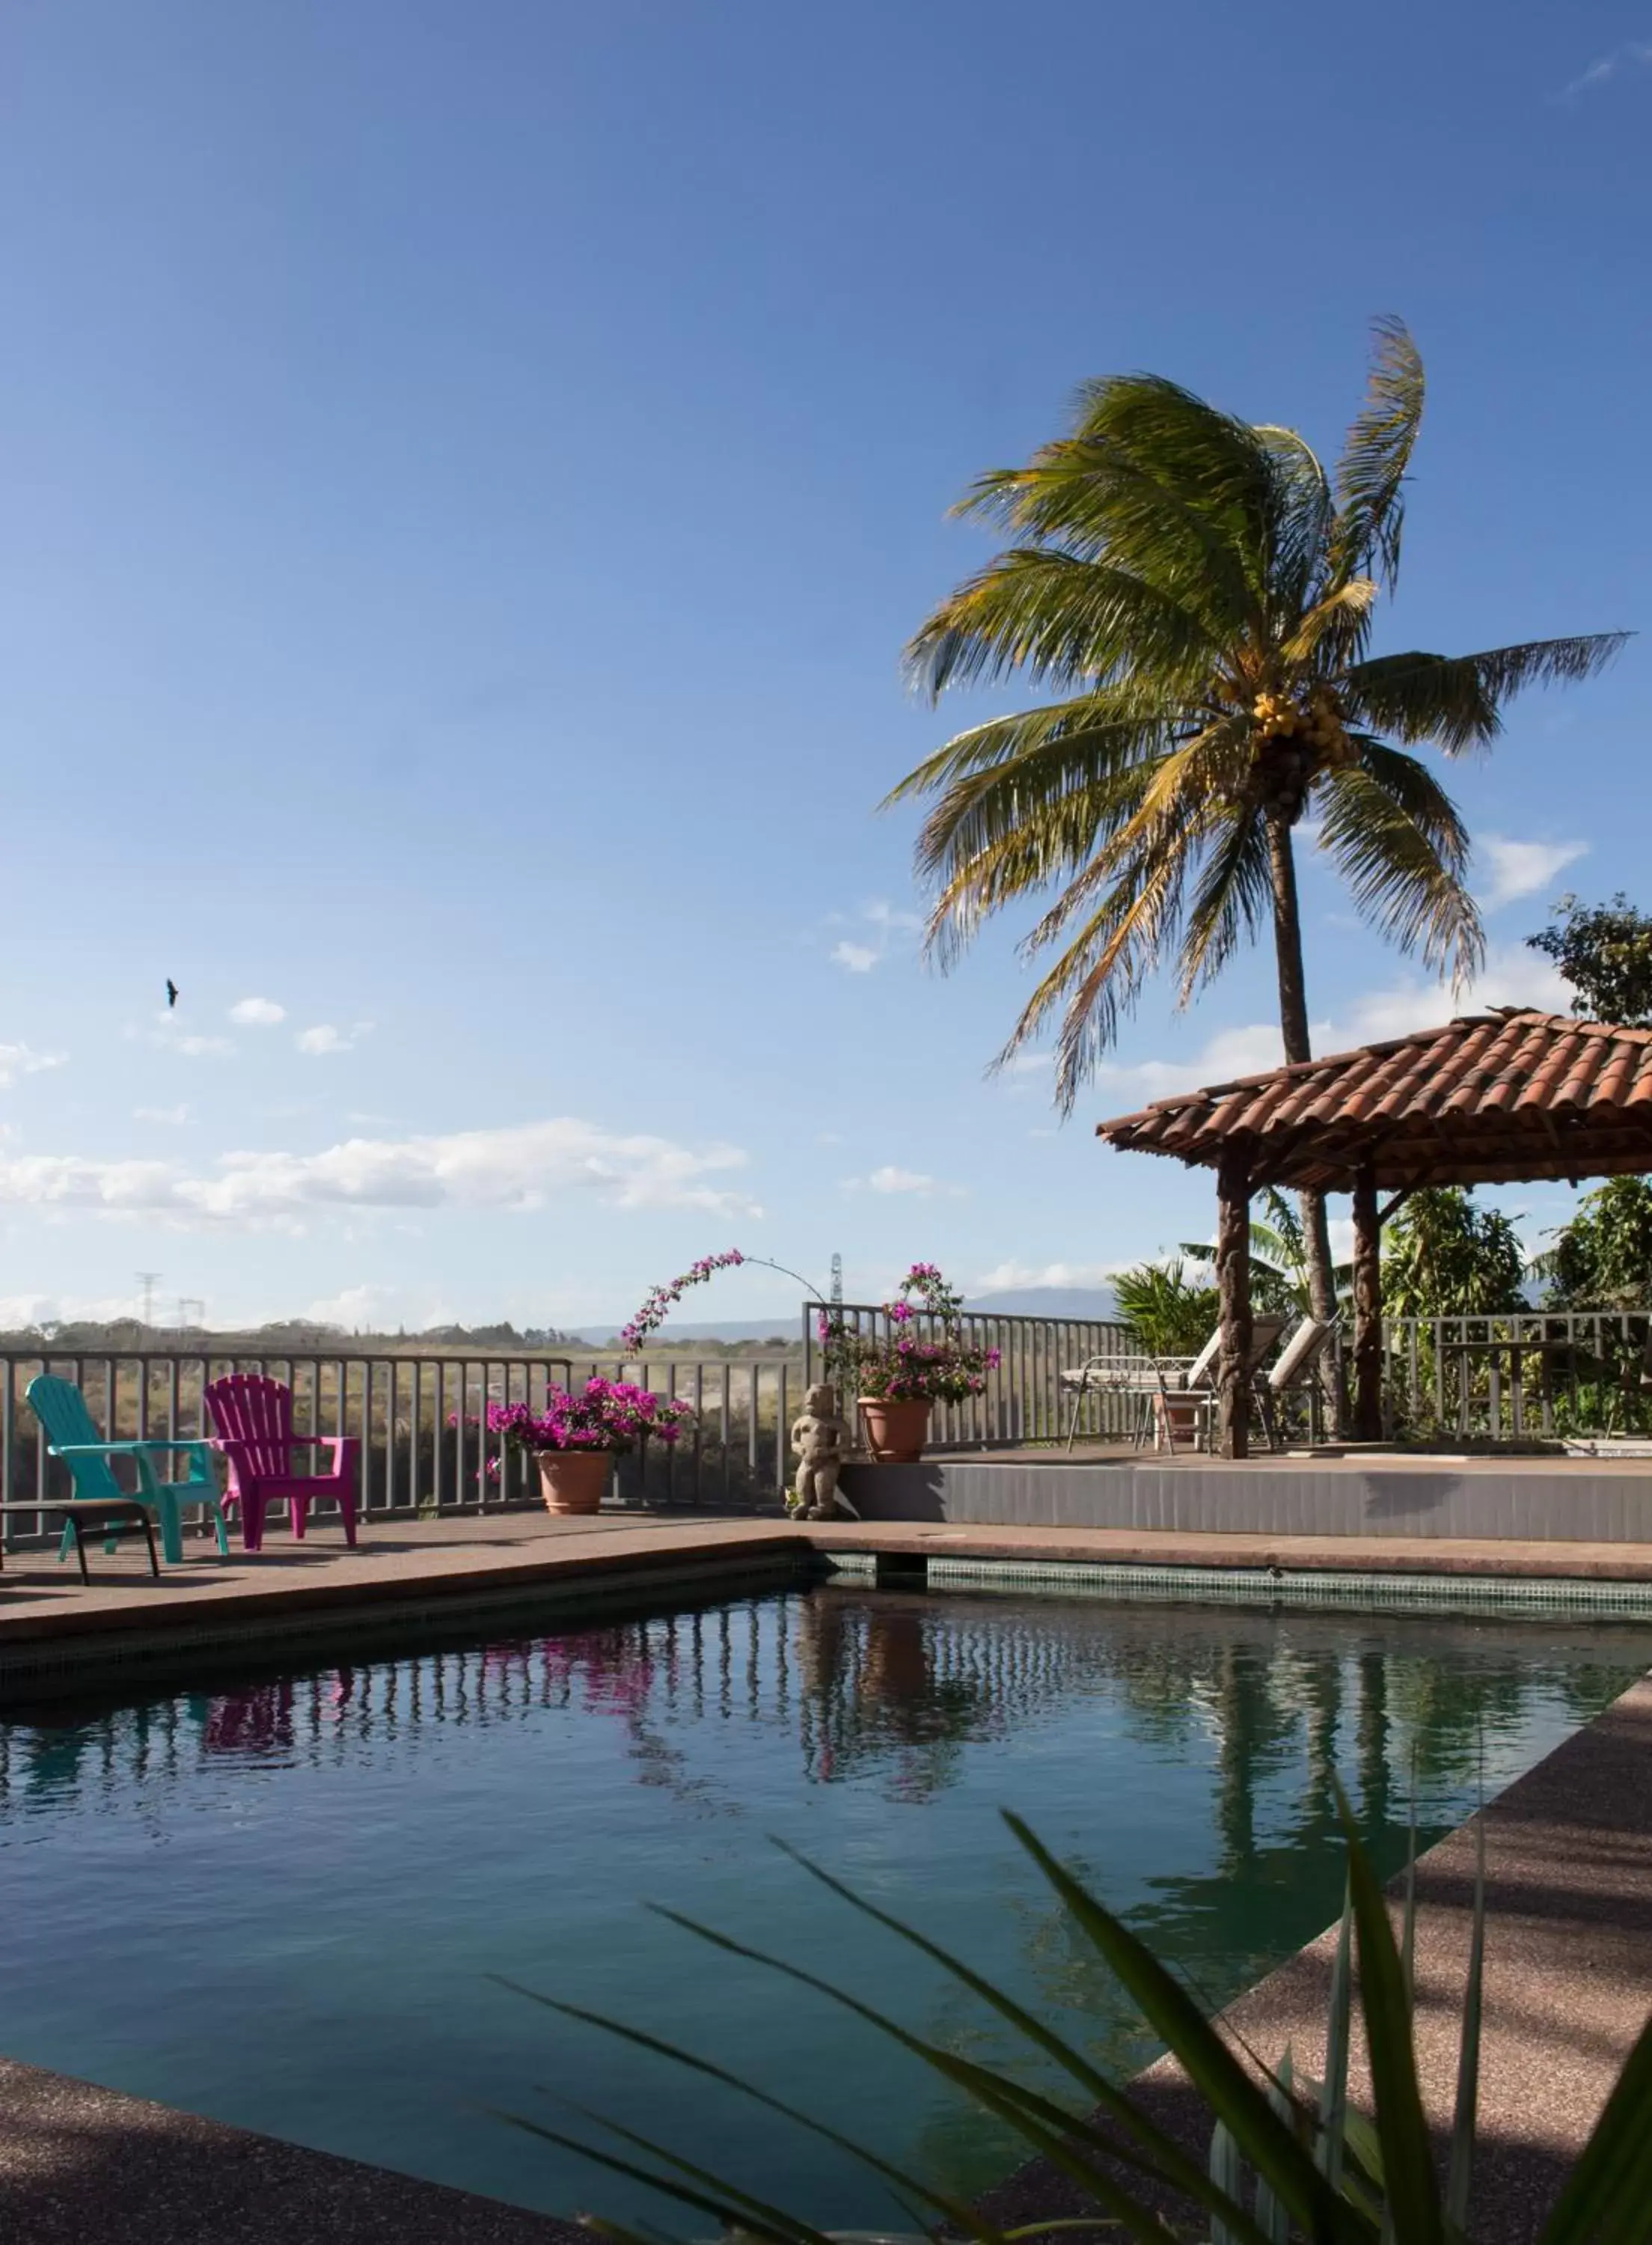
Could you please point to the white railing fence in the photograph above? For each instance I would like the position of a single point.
(425, 1451)
(1529, 1375)
(1024, 1400)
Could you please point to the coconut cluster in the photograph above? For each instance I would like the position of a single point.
(1315, 726)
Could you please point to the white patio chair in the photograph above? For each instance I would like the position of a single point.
(1197, 1389)
(1296, 1369)
(1143, 1377)
(1162, 1382)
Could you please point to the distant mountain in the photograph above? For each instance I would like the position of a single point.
(1048, 1302)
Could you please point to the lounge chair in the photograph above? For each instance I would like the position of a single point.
(71, 1435)
(1296, 1367)
(254, 1417)
(1197, 1398)
(1170, 1387)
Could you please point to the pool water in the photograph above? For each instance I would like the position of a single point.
(291, 1905)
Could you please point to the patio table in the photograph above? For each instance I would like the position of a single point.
(1149, 1377)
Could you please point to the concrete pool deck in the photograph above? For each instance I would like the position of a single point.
(1569, 1952)
(417, 1565)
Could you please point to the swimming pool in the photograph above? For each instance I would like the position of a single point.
(287, 1904)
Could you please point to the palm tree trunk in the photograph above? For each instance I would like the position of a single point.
(1293, 1024)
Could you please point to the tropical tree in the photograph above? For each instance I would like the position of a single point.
(1602, 1258)
(1200, 593)
(1447, 1257)
(1605, 953)
(1278, 1256)
(1164, 1312)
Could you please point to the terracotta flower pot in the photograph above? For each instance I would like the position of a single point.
(573, 1481)
(895, 1431)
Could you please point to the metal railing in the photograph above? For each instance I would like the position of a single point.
(1024, 1400)
(1526, 1376)
(425, 1451)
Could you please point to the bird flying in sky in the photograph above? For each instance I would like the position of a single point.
(171, 994)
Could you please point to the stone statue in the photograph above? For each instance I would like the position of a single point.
(821, 1439)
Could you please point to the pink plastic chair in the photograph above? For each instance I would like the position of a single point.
(254, 1417)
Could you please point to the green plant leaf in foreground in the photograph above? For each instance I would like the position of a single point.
(1408, 2156)
(1319, 2168)
(1266, 2142)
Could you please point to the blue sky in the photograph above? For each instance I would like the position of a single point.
(468, 473)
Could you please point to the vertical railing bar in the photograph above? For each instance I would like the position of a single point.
(753, 1404)
(782, 1433)
(8, 1430)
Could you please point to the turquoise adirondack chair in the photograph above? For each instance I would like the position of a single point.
(70, 1435)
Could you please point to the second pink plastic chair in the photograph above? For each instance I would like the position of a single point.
(254, 1417)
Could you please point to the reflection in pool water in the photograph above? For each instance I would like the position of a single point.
(291, 1904)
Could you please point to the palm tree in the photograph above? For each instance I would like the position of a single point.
(1279, 1273)
(1201, 592)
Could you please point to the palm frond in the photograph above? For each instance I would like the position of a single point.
(1456, 700)
(1402, 880)
(1419, 794)
(1002, 834)
(1058, 616)
(1332, 633)
(1112, 717)
(1302, 516)
(1234, 897)
(1370, 477)
(1098, 977)
(1157, 481)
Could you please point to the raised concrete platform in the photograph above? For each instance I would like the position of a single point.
(1379, 1494)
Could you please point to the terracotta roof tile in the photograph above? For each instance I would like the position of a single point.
(1488, 1098)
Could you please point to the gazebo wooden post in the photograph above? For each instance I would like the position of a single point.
(1233, 1287)
(1368, 1308)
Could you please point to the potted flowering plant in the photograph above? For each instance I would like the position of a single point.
(922, 1360)
(576, 1438)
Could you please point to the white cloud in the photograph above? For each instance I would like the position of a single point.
(1635, 54)
(517, 1168)
(890, 1178)
(1028, 1063)
(161, 1114)
(1245, 1051)
(189, 1044)
(1524, 869)
(23, 1059)
(887, 925)
(1005, 1277)
(1512, 975)
(324, 1038)
(374, 1309)
(257, 1013)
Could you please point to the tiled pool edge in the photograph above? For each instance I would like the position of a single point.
(340, 1629)
(1254, 1586)
(71, 1643)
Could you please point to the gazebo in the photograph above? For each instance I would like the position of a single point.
(1499, 1098)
